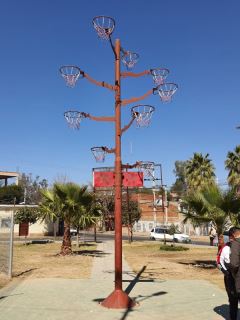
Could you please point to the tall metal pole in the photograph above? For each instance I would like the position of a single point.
(154, 199)
(11, 241)
(118, 299)
(118, 173)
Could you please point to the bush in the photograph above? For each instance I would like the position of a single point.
(165, 247)
(8, 193)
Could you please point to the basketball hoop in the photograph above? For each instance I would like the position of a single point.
(159, 75)
(74, 118)
(142, 114)
(99, 153)
(70, 74)
(147, 167)
(166, 91)
(130, 59)
(104, 26)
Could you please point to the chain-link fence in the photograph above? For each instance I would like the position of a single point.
(6, 242)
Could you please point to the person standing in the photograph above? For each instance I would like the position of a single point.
(212, 235)
(223, 260)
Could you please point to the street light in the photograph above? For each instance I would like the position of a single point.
(141, 113)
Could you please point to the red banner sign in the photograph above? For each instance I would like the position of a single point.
(106, 179)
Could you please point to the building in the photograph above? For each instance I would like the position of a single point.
(159, 215)
(39, 228)
(5, 175)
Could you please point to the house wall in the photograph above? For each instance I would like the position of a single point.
(172, 215)
(38, 228)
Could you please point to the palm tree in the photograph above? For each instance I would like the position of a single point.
(212, 204)
(87, 215)
(199, 171)
(232, 164)
(50, 207)
(73, 199)
(66, 201)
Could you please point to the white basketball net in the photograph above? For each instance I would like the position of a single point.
(130, 59)
(143, 115)
(73, 119)
(70, 74)
(99, 154)
(159, 75)
(166, 91)
(104, 26)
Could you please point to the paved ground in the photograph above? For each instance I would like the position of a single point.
(57, 299)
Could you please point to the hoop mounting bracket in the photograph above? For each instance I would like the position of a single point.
(125, 128)
(103, 119)
(135, 75)
(135, 99)
(111, 150)
(131, 166)
(98, 83)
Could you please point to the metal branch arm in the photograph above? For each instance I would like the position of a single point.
(98, 83)
(128, 125)
(131, 166)
(112, 150)
(135, 75)
(135, 99)
(106, 119)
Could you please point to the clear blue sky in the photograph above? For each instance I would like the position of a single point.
(197, 40)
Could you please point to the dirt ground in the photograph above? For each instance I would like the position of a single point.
(196, 263)
(44, 261)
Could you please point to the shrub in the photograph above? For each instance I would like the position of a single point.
(165, 247)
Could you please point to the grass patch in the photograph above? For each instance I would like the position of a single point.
(44, 261)
(166, 265)
(165, 247)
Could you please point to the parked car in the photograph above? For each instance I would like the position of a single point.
(159, 233)
(181, 237)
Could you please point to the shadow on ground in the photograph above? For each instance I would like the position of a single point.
(10, 295)
(87, 244)
(91, 253)
(205, 264)
(137, 299)
(24, 272)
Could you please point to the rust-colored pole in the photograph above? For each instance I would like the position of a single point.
(118, 299)
(118, 173)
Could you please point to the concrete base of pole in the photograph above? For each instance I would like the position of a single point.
(118, 299)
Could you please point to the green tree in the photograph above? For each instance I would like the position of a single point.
(9, 193)
(131, 213)
(232, 164)
(65, 201)
(50, 207)
(173, 229)
(87, 215)
(199, 172)
(106, 201)
(180, 184)
(212, 204)
(26, 214)
(32, 188)
(130, 210)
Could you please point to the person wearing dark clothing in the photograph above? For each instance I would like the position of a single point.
(235, 259)
(229, 282)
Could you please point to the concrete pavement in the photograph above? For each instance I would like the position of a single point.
(57, 299)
